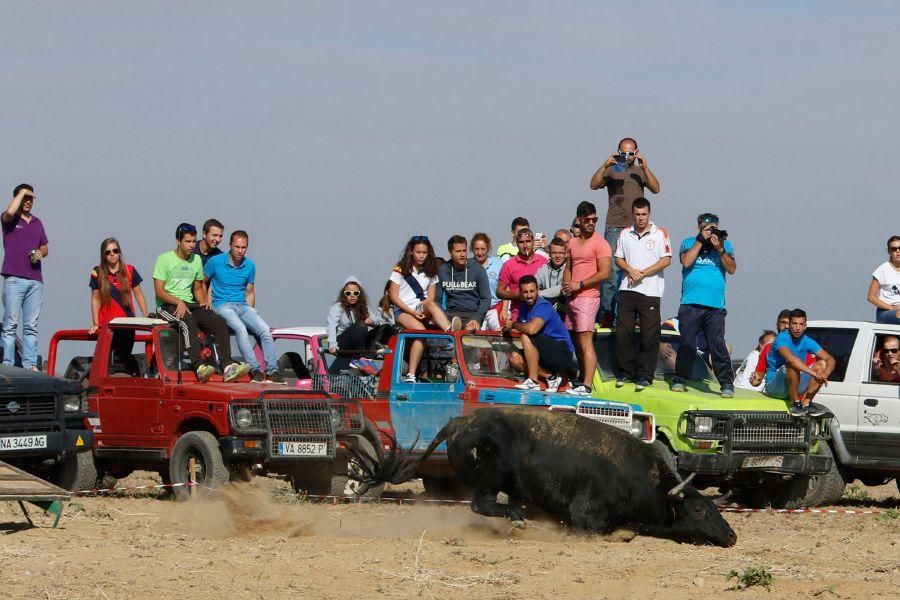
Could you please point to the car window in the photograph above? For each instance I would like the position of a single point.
(885, 364)
(838, 342)
(488, 355)
(438, 363)
(292, 361)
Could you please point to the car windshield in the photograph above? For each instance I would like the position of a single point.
(605, 345)
(488, 355)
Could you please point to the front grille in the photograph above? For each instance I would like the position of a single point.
(299, 417)
(31, 407)
(617, 416)
(299, 420)
(753, 431)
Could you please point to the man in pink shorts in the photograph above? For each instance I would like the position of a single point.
(588, 266)
(526, 262)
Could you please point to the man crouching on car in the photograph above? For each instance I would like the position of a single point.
(788, 377)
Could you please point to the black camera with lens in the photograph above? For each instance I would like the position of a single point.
(720, 233)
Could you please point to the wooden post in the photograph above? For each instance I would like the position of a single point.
(192, 471)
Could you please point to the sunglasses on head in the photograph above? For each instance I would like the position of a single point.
(708, 218)
(349, 293)
(419, 238)
(112, 251)
(185, 228)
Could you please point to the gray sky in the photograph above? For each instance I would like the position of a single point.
(333, 132)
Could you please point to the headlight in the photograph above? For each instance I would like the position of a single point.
(335, 420)
(75, 403)
(242, 418)
(637, 427)
(703, 424)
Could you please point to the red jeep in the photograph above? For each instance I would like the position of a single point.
(156, 416)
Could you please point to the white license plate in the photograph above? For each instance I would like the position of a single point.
(763, 462)
(302, 448)
(23, 442)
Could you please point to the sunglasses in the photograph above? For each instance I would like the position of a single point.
(894, 249)
(112, 251)
(589, 219)
(624, 154)
(419, 238)
(891, 350)
(353, 293)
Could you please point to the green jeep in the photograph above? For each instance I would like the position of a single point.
(749, 446)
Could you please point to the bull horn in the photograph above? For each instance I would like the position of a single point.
(678, 490)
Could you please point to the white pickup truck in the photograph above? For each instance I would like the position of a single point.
(865, 430)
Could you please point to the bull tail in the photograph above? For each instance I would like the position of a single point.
(398, 466)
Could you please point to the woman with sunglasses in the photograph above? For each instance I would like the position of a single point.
(114, 286)
(350, 325)
(413, 292)
(884, 289)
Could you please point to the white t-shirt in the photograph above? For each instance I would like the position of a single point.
(888, 282)
(407, 295)
(742, 375)
(642, 252)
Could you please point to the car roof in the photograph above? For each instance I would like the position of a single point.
(305, 331)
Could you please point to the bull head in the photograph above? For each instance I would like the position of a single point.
(677, 492)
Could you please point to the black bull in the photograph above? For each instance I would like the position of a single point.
(586, 474)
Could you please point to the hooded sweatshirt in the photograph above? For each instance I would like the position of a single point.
(464, 290)
(550, 280)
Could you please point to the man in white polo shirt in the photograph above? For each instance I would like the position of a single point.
(642, 252)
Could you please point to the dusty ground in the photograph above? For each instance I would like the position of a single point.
(262, 541)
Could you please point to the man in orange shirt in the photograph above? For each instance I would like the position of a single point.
(588, 265)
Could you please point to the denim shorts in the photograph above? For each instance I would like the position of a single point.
(777, 386)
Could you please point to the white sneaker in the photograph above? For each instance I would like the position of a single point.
(408, 378)
(579, 390)
(456, 324)
(528, 384)
(235, 371)
(553, 384)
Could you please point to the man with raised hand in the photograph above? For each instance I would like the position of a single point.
(643, 252)
(24, 247)
(587, 266)
(624, 174)
(233, 286)
(181, 298)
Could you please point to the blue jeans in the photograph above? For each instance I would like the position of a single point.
(242, 317)
(22, 301)
(692, 319)
(777, 386)
(888, 317)
(610, 287)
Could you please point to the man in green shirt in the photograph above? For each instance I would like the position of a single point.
(181, 298)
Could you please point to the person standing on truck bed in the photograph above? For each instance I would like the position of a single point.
(24, 247)
(181, 298)
(624, 174)
(788, 377)
(643, 252)
(884, 289)
(706, 260)
(231, 281)
(114, 284)
(587, 267)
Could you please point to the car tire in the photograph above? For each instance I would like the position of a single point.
(342, 485)
(313, 478)
(75, 473)
(211, 471)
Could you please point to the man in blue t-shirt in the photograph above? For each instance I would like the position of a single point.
(545, 341)
(706, 260)
(231, 278)
(787, 376)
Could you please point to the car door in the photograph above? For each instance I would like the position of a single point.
(878, 415)
(128, 404)
(420, 410)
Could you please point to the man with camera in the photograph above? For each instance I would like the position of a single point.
(706, 260)
(624, 174)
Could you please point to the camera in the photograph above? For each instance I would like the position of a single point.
(720, 233)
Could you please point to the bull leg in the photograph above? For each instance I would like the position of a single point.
(587, 514)
(484, 502)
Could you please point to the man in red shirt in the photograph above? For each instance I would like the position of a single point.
(526, 262)
(588, 265)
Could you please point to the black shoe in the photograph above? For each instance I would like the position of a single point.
(797, 410)
(275, 377)
(817, 410)
(257, 376)
(642, 384)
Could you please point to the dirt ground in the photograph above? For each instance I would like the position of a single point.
(261, 540)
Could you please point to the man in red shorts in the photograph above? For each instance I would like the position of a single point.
(588, 265)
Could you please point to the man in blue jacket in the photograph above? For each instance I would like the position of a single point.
(464, 291)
